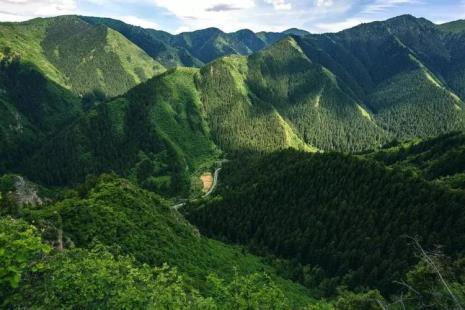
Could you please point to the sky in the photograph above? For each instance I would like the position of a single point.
(176, 16)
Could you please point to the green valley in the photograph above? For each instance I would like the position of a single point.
(141, 169)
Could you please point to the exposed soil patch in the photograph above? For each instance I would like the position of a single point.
(207, 181)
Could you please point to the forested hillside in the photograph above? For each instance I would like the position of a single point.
(107, 239)
(78, 55)
(193, 49)
(337, 159)
(441, 160)
(349, 219)
(155, 134)
(348, 91)
(32, 108)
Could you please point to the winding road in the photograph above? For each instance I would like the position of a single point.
(215, 183)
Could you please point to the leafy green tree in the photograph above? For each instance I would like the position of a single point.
(436, 283)
(254, 291)
(371, 300)
(97, 279)
(20, 250)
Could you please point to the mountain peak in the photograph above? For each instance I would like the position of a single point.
(408, 19)
(456, 26)
(296, 31)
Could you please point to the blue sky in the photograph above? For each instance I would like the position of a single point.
(229, 15)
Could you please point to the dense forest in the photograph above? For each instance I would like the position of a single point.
(350, 219)
(274, 170)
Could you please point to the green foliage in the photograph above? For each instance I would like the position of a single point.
(20, 250)
(191, 49)
(344, 216)
(371, 300)
(97, 279)
(134, 222)
(103, 59)
(32, 108)
(253, 291)
(155, 134)
(439, 159)
(80, 56)
(435, 282)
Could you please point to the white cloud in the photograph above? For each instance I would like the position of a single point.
(17, 10)
(324, 3)
(382, 5)
(257, 15)
(338, 26)
(201, 8)
(134, 20)
(280, 5)
(226, 14)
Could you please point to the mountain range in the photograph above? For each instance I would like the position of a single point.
(336, 149)
(348, 91)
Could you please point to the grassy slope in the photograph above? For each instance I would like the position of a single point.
(25, 39)
(191, 49)
(79, 56)
(455, 26)
(400, 69)
(160, 119)
(279, 98)
(136, 222)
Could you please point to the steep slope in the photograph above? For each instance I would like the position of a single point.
(348, 218)
(454, 26)
(155, 43)
(296, 32)
(348, 91)
(78, 55)
(112, 212)
(191, 49)
(401, 69)
(155, 134)
(32, 108)
(441, 160)
(279, 98)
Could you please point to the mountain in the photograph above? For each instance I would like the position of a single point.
(455, 26)
(53, 69)
(79, 56)
(317, 92)
(317, 148)
(155, 133)
(113, 219)
(440, 160)
(348, 219)
(191, 49)
(402, 69)
(348, 91)
(279, 98)
(32, 109)
(296, 32)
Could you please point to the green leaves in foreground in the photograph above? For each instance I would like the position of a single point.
(90, 279)
(96, 279)
(20, 247)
